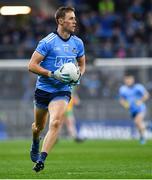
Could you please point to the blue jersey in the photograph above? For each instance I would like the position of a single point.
(56, 52)
(132, 94)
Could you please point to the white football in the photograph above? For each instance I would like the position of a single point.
(71, 69)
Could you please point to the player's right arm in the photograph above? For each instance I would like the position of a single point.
(122, 97)
(124, 103)
(144, 94)
(34, 65)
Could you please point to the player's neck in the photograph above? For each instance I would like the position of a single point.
(63, 34)
(130, 85)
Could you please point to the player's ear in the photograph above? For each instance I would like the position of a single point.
(60, 21)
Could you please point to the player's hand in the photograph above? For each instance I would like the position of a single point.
(65, 78)
(61, 77)
(126, 105)
(74, 83)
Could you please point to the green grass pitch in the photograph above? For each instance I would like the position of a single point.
(93, 159)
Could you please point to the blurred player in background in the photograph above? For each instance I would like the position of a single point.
(53, 89)
(69, 118)
(133, 97)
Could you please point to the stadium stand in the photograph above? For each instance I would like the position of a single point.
(109, 28)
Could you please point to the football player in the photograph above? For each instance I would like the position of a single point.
(133, 97)
(53, 89)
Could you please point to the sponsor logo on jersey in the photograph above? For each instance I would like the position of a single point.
(60, 60)
(74, 51)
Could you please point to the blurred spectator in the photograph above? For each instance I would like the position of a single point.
(20, 53)
(149, 22)
(150, 46)
(136, 8)
(138, 48)
(121, 52)
(107, 51)
(106, 6)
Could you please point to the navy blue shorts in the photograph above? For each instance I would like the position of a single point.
(43, 98)
(134, 114)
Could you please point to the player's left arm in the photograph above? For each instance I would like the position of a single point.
(81, 60)
(81, 64)
(144, 98)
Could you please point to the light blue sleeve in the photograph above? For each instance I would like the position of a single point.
(80, 49)
(141, 89)
(42, 48)
(122, 92)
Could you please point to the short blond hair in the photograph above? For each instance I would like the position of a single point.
(61, 12)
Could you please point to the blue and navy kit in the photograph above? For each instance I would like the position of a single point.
(56, 52)
(132, 94)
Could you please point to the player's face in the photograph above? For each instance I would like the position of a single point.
(69, 22)
(129, 80)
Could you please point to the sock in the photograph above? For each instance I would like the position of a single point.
(42, 156)
(35, 145)
(36, 141)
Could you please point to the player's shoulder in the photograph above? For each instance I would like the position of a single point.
(139, 86)
(77, 39)
(49, 38)
(123, 88)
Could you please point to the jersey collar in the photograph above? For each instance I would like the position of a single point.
(62, 37)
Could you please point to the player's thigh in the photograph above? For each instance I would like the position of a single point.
(57, 109)
(139, 117)
(40, 116)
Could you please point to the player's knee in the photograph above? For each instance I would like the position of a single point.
(56, 124)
